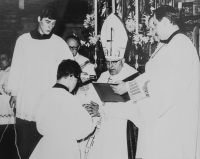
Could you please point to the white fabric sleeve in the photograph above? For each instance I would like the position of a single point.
(128, 111)
(174, 80)
(16, 67)
(84, 122)
(63, 54)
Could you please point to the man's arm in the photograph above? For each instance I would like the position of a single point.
(16, 70)
(127, 111)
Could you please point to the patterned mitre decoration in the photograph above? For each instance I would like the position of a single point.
(114, 38)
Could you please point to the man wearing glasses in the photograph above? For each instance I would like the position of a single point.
(87, 67)
(170, 115)
(111, 140)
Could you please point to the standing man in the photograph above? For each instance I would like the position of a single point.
(85, 64)
(36, 57)
(111, 140)
(168, 126)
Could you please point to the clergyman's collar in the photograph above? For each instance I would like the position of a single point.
(58, 85)
(36, 35)
(170, 38)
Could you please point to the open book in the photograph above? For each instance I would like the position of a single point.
(106, 94)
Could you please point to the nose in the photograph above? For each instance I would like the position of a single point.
(50, 26)
(110, 65)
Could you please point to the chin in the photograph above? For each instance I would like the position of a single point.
(111, 72)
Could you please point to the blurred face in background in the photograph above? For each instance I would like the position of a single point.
(114, 66)
(5, 61)
(46, 25)
(73, 45)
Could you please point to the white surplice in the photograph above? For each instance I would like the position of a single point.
(33, 70)
(62, 121)
(111, 140)
(168, 119)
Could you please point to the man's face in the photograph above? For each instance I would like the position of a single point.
(73, 45)
(4, 61)
(46, 25)
(159, 28)
(114, 66)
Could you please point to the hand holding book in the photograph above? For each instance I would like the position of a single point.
(119, 87)
(136, 89)
(120, 91)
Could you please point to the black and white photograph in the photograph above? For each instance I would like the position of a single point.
(99, 79)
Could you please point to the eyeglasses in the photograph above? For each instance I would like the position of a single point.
(112, 62)
(73, 47)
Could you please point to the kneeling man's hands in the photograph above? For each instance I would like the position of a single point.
(92, 108)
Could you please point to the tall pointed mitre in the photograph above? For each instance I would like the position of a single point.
(114, 38)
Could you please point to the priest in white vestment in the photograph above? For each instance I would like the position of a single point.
(168, 119)
(111, 140)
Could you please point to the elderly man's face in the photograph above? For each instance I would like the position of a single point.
(115, 66)
(73, 45)
(4, 61)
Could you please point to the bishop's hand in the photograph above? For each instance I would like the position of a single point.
(120, 88)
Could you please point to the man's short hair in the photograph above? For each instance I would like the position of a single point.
(68, 67)
(168, 12)
(72, 37)
(49, 11)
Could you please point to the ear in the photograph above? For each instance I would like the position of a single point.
(71, 77)
(39, 19)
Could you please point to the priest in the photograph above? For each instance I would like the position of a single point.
(110, 139)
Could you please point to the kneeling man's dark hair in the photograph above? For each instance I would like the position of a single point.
(68, 67)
